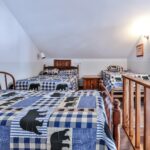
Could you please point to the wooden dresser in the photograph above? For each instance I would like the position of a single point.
(91, 82)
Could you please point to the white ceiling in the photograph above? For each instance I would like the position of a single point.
(80, 28)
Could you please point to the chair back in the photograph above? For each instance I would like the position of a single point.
(6, 79)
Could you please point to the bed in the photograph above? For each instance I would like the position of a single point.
(61, 76)
(41, 120)
(114, 82)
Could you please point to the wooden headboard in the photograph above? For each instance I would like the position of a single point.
(61, 65)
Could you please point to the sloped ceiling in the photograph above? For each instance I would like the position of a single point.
(80, 28)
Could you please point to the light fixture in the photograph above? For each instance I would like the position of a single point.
(42, 55)
(141, 27)
(146, 36)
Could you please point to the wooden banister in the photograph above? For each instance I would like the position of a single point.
(137, 80)
(132, 89)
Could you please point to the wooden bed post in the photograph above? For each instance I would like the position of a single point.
(116, 123)
(112, 93)
(78, 69)
(44, 67)
(101, 85)
(116, 117)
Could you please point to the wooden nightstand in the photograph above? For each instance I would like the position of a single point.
(91, 82)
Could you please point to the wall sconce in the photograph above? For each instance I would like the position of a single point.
(140, 27)
(41, 55)
(146, 36)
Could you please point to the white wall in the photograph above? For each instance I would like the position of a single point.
(18, 54)
(92, 66)
(140, 64)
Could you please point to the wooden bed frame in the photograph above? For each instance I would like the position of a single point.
(6, 74)
(61, 65)
(114, 121)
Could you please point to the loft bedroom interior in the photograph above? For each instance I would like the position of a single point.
(54, 55)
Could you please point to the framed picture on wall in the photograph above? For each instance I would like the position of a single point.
(140, 50)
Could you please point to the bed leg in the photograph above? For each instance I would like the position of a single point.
(116, 123)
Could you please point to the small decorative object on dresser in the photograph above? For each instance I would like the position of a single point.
(91, 82)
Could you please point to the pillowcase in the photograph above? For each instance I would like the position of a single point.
(114, 68)
(53, 71)
(68, 72)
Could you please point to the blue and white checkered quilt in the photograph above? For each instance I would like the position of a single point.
(48, 83)
(42, 120)
(113, 80)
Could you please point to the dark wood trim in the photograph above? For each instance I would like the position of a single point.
(60, 68)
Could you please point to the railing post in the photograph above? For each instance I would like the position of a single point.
(146, 118)
(137, 116)
(131, 107)
(116, 123)
(125, 103)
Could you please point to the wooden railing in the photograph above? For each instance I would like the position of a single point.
(133, 114)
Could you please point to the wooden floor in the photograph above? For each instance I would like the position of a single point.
(125, 143)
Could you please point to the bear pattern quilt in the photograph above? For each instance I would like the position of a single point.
(43, 120)
(48, 83)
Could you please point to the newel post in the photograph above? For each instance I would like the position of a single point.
(116, 123)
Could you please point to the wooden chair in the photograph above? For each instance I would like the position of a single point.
(6, 76)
